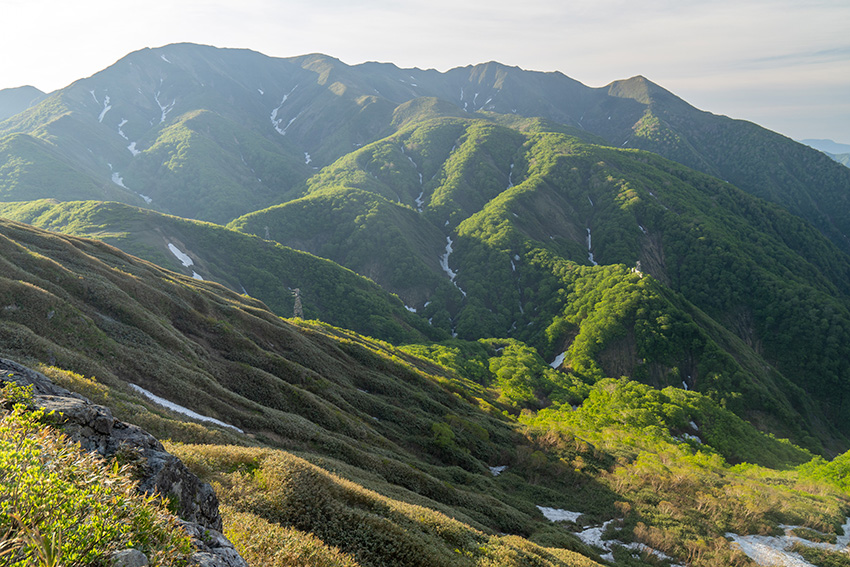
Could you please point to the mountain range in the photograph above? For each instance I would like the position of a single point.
(505, 268)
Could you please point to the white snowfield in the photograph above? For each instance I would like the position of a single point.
(773, 551)
(118, 180)
(593, 536)
(180, 255)
(180, 409)
(496, 471)
(559, 360)
(558, 515)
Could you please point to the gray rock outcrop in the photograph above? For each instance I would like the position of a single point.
(96, 430)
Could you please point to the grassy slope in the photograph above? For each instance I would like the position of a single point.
(265, 270)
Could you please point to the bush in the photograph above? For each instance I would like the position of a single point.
(61, 505)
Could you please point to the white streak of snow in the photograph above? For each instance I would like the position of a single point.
(196, 275)
(444, 263)
(118, 180)
(275, 120)
(444, 259)
(106, 107)
(120, 132)
(180, 255)
(589, 253)
(419, 200)
(147, 199)
(558, 515)
(164, 58)
(411, 309)
(180, 409)
(772, 550)
(94, 97)
(559, 360)
(164, 108)
(133, 150)
(307, 158)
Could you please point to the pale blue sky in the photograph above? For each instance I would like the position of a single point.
(783, 64)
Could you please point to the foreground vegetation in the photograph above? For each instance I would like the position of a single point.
(60, 505)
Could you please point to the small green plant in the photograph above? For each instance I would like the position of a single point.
(62, 506)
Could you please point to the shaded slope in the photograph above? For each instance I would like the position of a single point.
(264, 270)
(15, 100)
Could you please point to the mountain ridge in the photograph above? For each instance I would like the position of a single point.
(554, 325)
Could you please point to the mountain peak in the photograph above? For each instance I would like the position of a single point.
(18, 99)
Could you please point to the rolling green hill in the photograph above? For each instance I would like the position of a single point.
(523, 207)
(371, 455)
(262, 269)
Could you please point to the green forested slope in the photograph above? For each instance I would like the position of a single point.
(520, 206)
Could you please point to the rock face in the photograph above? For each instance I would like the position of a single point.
(96, 430)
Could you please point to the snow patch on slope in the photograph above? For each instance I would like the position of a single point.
(180, 409)
(164, 108)
(773, 550)
(106, 108)
(118, 180)
(275, 120)
(589, 253)
(180, 255)
(559, 360)
(558, 515)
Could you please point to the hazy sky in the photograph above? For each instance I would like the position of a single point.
(782, 64)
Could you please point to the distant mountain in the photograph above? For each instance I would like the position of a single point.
(16, 100)
(838, 152)
(211, 134)
(843, 159)
(828, 146)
